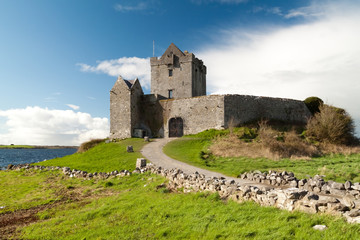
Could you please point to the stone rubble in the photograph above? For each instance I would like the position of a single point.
(315, 184)
(281, 190)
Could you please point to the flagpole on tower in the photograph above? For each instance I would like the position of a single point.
(153, 48)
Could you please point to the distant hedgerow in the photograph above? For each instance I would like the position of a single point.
(89, 144)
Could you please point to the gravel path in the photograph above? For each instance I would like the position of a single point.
(153, 152)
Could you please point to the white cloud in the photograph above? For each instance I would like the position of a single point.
(316, 58)
(129, 68)
(75, 107)
(41, 126)
(128, 8)
(306, 12)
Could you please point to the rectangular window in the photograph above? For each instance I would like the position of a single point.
(170, 72)
(170, 93)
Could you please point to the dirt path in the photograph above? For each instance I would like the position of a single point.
(154, 153)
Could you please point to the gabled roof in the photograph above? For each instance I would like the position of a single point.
(129, 83)
(174, 50)
(123, 83)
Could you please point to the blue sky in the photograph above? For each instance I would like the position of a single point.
(59, 59)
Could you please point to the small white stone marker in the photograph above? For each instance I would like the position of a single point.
(320, 227)
(141, 163)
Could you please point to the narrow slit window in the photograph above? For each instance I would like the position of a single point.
(170, 72)
(170, 93)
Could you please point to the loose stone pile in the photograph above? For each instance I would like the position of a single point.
(315, 184)
(280, 190)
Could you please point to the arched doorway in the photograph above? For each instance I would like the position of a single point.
(176, 127)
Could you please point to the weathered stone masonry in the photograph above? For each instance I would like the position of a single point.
(178, 103)
(181, 73)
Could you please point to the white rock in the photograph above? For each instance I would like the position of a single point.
(320, 227)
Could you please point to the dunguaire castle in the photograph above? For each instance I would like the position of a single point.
(178, 103)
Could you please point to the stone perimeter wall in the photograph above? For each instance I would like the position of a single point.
(282, 197)
(221, 111)
(240, 109)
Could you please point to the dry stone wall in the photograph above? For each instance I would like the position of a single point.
(316, 184)
(282, 196)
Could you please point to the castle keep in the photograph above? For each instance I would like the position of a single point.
(178, 103)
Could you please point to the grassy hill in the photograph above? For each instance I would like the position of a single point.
(48, 205)
(104, 157)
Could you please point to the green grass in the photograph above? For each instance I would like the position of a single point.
(132, 208)
(337, 167)
(104, 157)
(20, 190)
(15, 146)
(26, 189)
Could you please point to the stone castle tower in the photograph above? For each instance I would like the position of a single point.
(125, 98)
(178, 103)
(178, 74)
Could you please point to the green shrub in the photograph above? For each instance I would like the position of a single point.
(246, 133)
(109, 184)
(89, 144)
(313, 104)
(209, 134)
(331, 125)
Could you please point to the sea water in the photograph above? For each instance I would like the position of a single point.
(21, 156)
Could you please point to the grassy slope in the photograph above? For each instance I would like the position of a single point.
(27, 189)
(338, 168)
(103, 158)
(26, 194)
(132, 208)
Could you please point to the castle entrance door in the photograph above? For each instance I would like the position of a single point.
(176, 127)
